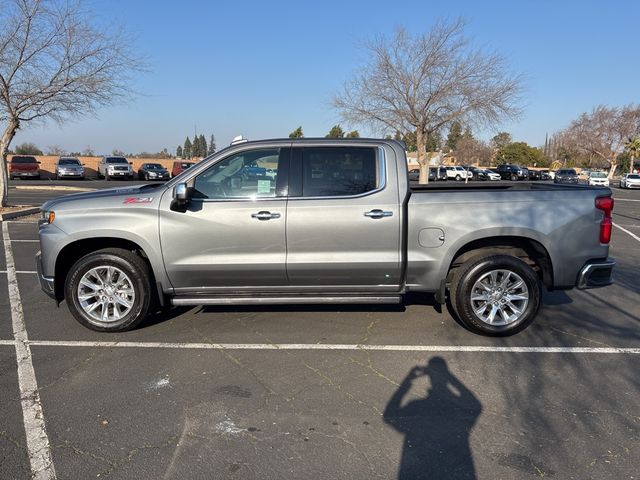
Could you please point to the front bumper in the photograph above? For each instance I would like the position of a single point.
(25, 174)
(596, 273)
(46, 283)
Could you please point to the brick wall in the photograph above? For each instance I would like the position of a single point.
(48, 164)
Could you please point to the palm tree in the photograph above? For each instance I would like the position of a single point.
(633, 147)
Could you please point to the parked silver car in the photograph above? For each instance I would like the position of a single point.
(69, 167)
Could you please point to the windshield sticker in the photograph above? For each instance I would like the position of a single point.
(130, 200)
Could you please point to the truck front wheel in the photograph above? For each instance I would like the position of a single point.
(496, 295)
(109, 290)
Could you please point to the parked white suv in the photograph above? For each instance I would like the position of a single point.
(115, 167)
(458, 173)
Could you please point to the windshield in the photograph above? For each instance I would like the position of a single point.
(117, 160)
(154, 166)
(635, 177)
(598, 175)
(23, 160)
(567, 172)
(68, 161)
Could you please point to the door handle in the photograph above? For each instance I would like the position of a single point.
(377, 213)
(264, 215)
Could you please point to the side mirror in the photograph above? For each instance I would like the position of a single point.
(180, 197)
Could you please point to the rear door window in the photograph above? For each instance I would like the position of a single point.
(339, 171)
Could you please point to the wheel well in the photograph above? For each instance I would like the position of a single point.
(71, 253)
(530, 251)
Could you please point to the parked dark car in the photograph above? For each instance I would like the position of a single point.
(253, 171)
(152, 171)
(511, 172)
(24, 166)
(544, 175)
(179, 167)
(414, 174)
(69, 167)
(476, 173)
(566, 175)
(535, 175)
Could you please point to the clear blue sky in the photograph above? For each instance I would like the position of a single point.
(262, 68)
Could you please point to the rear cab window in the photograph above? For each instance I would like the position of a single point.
(23, 159)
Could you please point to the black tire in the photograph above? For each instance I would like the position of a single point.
(107, 177)
(133, 266)
(514, 178)
(458, 178)
(469, 273)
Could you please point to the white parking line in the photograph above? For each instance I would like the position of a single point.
(25, 241)
(617, 199)
(19, 271)
(330, 346)
(36, 434)
(627, 231)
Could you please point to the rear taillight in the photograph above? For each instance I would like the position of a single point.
(606, 225)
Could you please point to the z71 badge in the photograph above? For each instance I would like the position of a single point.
(130, 200)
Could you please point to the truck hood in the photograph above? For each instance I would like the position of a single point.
(110, 197)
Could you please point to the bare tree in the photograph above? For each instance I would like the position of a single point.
(423, 83)
(56, 150)
(603, 132)
(56, 64)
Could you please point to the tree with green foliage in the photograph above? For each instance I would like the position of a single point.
(212, 145)
(28, 148)
(297, 133)
(186, 150)
(632, 147)
(409, 140)
(434, 142)
(520, 153)
(455, 134)
(335, 132)
(179, 151)
(501, 139)
(353, 134)
(203, 146)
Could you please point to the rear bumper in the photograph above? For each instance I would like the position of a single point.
(33, 173)
(47, 284)
(596, 273)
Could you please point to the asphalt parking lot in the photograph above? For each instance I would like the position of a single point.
(324, 392)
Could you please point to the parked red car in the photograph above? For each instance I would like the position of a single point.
(24, 166)
(179, 167)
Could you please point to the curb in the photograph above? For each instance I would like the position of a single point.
(19, 213)
(54, 187)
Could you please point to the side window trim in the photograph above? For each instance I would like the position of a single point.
(295, 177)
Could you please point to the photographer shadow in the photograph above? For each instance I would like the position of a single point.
(436, 428)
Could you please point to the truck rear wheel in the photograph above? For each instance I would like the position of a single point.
(496, 295)
(109, 290)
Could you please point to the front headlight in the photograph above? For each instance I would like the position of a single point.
(48, 216)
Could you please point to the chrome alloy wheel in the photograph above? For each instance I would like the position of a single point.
(106, 294)
(499, 297)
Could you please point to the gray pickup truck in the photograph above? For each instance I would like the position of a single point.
(326, 221)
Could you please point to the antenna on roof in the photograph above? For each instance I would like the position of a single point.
(238, 139)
